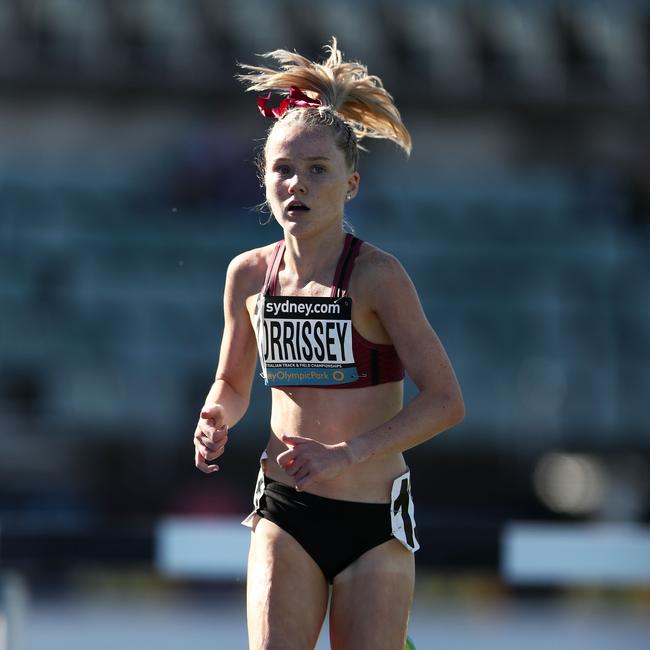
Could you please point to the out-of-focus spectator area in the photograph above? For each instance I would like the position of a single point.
(127, 184)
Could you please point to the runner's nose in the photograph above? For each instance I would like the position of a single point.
(296, 186)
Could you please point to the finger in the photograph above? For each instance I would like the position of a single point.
(218, 432)
(303, 479)
(213, 445)
(293, 440)
(200, 463)
(293, 467)
(207, 445)
(218, 438)
(286, 458)
(204, 428)
(215, 435)
(211, 455)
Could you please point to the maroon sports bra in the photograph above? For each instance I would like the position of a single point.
(375, 363)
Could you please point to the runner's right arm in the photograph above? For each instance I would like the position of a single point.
(229, 395)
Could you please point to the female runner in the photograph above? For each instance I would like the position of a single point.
(336, 322)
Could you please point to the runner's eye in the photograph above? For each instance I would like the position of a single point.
(283, 170)
(318, 169)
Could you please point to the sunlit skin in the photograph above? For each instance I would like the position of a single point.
(306, 165)
(343, 444)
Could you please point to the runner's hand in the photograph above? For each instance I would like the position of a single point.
(308, 461)
(210, 437)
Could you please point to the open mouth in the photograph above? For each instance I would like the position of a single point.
(297, 206)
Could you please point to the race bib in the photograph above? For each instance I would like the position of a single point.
(305, 340)
(402, 512)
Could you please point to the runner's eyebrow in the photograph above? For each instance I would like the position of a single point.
(309, 158)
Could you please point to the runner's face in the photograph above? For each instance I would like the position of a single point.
(307, 179)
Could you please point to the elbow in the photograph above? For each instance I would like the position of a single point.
(454, 407)
(459, 410)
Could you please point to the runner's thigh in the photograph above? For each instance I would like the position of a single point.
(286, 592)
(371, 600)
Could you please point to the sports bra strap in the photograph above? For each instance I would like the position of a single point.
(271, 279)
(342, 274)
(346, 264)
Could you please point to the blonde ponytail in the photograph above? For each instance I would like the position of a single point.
(343, 87)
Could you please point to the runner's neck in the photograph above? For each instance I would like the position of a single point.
(306, 259)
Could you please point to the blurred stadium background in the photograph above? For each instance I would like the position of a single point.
(523, 216)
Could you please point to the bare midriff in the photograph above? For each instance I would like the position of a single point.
(333, 416)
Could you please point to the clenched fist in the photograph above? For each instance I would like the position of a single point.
(210, 437)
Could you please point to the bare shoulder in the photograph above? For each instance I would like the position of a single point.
(376, 271)
(246, 271)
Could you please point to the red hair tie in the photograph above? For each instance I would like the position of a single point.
(296, 98)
